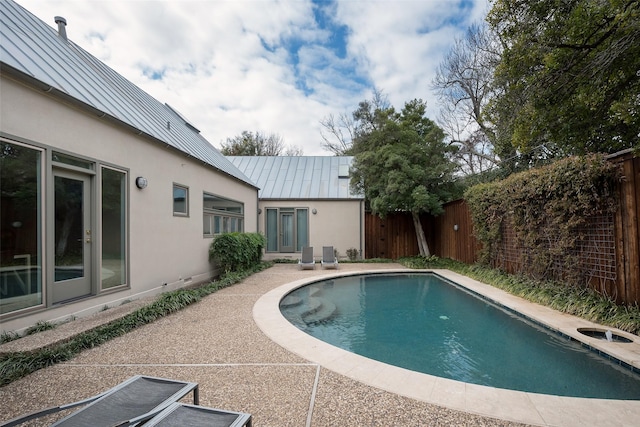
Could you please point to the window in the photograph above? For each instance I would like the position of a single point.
(180, 200)
(68, 160)
(272, 230)
(221, 215)
(113, 228)
(302, 229)
(20, 227)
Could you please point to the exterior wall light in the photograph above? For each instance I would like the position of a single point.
(141, 182)
(314, 211)
(455, 227)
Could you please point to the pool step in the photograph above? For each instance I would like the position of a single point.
(312, 306)
(313, 291)
(290, 301)
(324, 312)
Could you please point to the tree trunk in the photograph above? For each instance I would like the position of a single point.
(422, 240)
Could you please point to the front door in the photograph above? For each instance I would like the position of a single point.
(72, 230)
(286, 232)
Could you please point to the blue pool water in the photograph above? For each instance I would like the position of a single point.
(423, 323)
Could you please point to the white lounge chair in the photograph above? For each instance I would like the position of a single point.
(329, 259)
(307, 261)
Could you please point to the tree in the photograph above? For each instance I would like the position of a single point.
(293, 150)
(258, 144)
(568, 75)
(402, 164)
(464, 83)
(340, 132)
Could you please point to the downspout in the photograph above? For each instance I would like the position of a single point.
(259, 212)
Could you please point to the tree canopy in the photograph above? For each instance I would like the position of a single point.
(402, 164)
(258, 144)
(569, 74)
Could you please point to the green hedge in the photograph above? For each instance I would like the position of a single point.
(547, 208)
(237, 251)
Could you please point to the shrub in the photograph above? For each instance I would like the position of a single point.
(352, 253)
(237, 251)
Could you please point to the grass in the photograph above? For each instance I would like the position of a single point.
(582, 302)
(40, 326)
(7, 336)
(16, 365)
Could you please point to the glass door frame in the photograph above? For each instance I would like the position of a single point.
(90, 259)
(290, 232)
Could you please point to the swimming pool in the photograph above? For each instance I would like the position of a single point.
(517, 406)
(423, 323)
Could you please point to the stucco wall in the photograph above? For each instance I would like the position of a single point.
(337, 223)
(163, 248)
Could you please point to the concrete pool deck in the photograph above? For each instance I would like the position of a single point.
(244, 358)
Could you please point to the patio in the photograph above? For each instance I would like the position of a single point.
(217, 344)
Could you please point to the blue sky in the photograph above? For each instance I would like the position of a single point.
(269, 66)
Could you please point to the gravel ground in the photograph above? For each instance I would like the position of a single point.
(217, 344)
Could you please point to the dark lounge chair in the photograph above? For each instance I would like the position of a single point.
(180, 414)
(131, 402)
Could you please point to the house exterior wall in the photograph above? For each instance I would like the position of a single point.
(162, 248)
(337, 223)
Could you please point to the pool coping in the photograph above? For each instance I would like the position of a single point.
(517, 406)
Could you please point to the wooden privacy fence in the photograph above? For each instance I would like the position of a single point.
(610, 256)
(627, 232)
(449, 235)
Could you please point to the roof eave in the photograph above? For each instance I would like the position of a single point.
(29, 80)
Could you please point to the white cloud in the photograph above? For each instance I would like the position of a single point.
(226, 66)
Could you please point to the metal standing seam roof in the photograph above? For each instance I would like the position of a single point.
(34, 49)
(297, 177)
